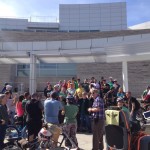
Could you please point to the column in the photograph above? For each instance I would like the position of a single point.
(125, 75)
(32, 80)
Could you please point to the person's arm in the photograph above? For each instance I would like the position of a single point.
(2, 121)
(133, 107)
(93, 109)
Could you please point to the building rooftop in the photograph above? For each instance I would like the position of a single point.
(27, 36)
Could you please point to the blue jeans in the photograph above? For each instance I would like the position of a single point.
(85, 121)
(2, 135)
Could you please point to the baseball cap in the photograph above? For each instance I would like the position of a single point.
(120, 99)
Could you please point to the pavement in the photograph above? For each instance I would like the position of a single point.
(85, 139)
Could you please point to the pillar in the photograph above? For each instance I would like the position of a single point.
(125, 76)
(32, 80)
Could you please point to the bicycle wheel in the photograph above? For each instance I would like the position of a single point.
(11, 132)
(12, 147)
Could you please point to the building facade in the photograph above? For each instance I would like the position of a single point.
(93, 42)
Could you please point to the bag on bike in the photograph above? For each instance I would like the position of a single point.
(115, 116)
(117, 129)
(140, 141)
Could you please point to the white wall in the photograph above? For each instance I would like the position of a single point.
(12, 23)
(22, 24)
(103, 17)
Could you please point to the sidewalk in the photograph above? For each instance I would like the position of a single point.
(85, 141)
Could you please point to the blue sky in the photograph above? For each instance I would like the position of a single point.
(138, 11)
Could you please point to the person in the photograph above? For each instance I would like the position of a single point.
(116, 86)
(51, 111)
(34, 109)
(63, 92)
(110, 98)
(79, 91)
(111, 82)
(121, 93)
(47, 89)
(20, 110)
(145, 92)
(70, 111)
(97, 112)
(27, 97)
(11, 106)
(84, 104)
(4, 88)
(71, 90)
(85, 85)
(146, 98)
(104, 87)
(120, 104)
(3, 119)
(133, 105)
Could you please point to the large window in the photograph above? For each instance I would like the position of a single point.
(46, 70)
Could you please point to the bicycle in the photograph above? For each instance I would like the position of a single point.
(46, 140)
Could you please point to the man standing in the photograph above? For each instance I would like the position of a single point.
(97, 111)
(33, 110)
(51, 111)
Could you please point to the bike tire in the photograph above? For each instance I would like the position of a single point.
(12, 147)
(12, 132)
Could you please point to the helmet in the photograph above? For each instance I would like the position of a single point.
(44, 134)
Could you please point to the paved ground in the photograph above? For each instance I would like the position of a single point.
(85, 139)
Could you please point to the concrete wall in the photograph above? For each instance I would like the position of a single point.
(103, 17)
(138, 75)
(7, 74)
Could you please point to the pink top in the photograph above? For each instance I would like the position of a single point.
(19, 109)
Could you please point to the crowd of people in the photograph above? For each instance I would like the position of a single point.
(79, 105)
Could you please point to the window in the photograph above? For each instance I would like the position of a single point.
(46, 70)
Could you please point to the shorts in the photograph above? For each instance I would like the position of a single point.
(55, 130)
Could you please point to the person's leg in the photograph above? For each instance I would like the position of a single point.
(73, 131)
(97, 128)
(82, 122)
(101, 131)
(2, 135)
(56, 131)
(30, 127)
(88, 123)
(67, 130)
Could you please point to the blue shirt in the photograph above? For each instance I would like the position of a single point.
(51, 110)
(98, 103)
